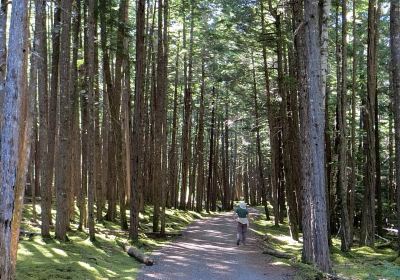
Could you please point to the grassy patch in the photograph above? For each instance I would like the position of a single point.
(362, 263)
(81, 259)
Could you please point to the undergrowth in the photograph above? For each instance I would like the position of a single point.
(361, 263)
(79, 258)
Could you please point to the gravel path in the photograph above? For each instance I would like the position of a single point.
(207, 250)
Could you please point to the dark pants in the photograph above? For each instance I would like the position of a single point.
(241, 232)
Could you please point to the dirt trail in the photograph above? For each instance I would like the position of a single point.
(208, 251)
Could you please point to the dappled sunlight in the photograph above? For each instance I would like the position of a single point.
(208, 250)
(87, 266)
(60, 252)
(278, 263)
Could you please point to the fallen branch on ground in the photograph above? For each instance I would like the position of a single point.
(328, 276)
(135, 253)
(387, 243)
(277, 254)
(167, 234)
(28, 233)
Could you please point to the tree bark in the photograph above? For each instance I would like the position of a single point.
(173, 157)
(258, 142)
(186, 135)
(200, 145)
(62, 167)
(46, 190)
(353, 178)
(3, 47)
(368, 213)
(109, 89)
(211, 156)
(15, 130)
(41, 67)
(379, 203)
(138, 123)
(90, 98)
(342, 123)
(395, 54)
(312, 125)
(271, 123)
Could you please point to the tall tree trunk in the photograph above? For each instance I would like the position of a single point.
(271, 123)
(225, 162)
(76, 166)
(115, 105)
(62, 167)
(41, 66)
(312, 123)
(368, 213)
(173, 157)
(164, 146)
(379, 206)
(35, 149)
(159, 128)
(15, 130)
(3, 47)
(258, 141)
(290, 157)
(342, 123)
(186, 135)
(211, 156)
(395, 54)
(353, 178)
(109, 89)
(325, 6)
(46, 189)
(90, 98)
(137, 136)
(200, 145)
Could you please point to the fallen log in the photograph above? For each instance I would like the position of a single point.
(135, 253)
(388, 243)
(160, 235)
(28, 233)
(277, 254)
(328, 276)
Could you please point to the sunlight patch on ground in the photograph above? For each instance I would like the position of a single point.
(279, 263)
(87, 266)
(59, 252)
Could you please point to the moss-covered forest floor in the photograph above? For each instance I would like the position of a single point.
(81, 259)
(361, 263)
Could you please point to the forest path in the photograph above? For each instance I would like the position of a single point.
(208, 251)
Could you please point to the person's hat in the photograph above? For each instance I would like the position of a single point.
(242, 205)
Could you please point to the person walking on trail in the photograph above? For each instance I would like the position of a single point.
(242, 215)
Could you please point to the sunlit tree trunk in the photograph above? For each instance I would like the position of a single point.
(15, 139)
(312, 123)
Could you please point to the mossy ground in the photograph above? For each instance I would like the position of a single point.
(361, 263)
(81, 259)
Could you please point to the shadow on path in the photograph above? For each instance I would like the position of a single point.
(207, 250)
